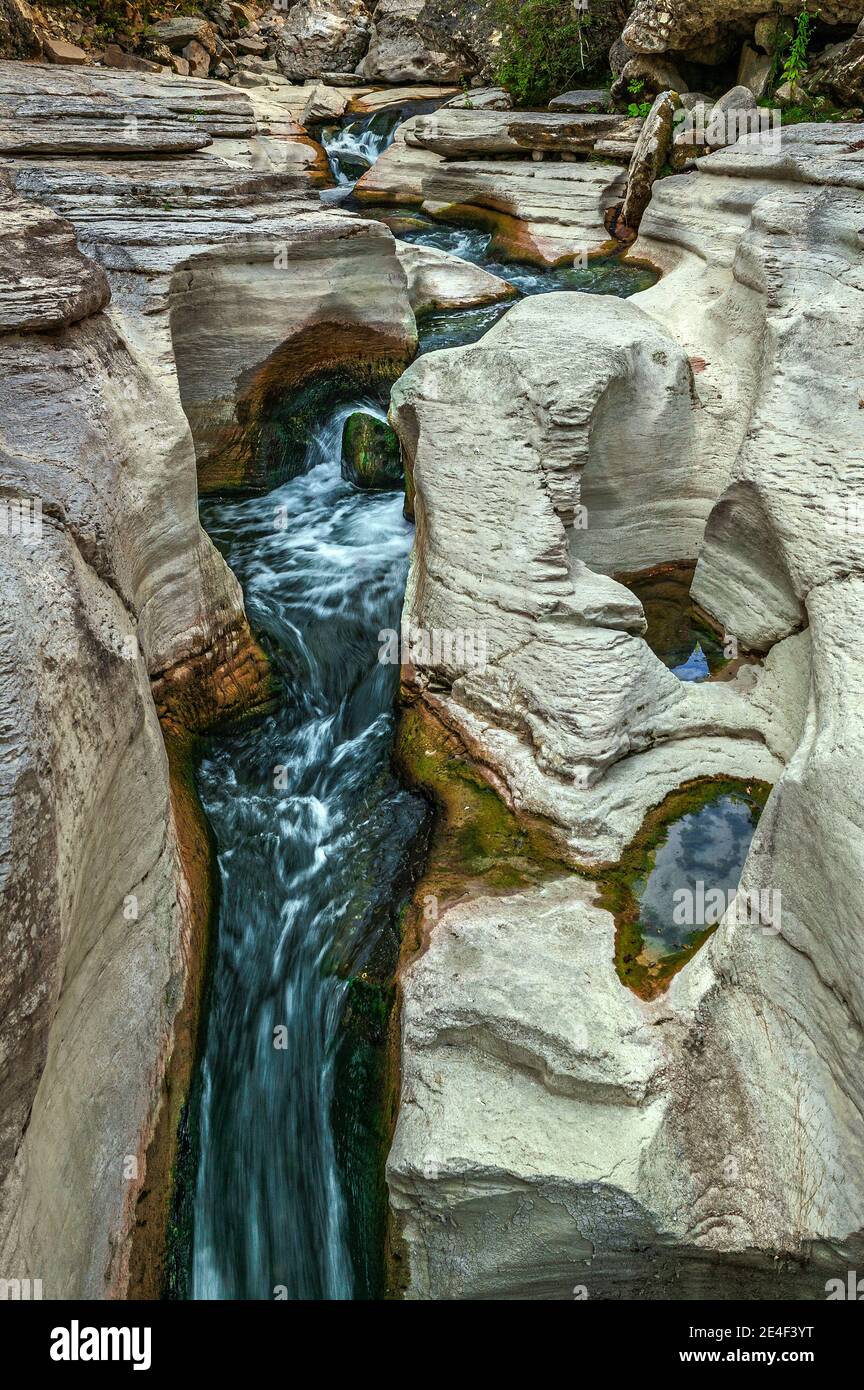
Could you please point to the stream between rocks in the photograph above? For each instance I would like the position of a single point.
(318, 845)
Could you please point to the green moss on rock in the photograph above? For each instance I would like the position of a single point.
(478, 845)
(371, 453)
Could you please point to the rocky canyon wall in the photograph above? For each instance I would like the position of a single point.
(558, 1135)
(125, 313)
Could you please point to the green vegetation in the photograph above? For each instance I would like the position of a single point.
(478, 844)
(789, 65)
(800, 115)
(637, 108)
(549, 46)
(479, 847)
(120, 17)
(364, 1112)
(796, 61)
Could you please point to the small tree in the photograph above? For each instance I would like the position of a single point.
(796, 61)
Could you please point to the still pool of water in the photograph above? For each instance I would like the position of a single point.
(702, 852)
(601, 275)
(677, 633)
(678, 877)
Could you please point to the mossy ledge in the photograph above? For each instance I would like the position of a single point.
(615, 882)
(477, 847)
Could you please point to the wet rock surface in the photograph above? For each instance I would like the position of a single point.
(371, 454)
(167, 275)
(546, 211)
(438, 280)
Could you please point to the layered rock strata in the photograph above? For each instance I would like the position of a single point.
(542, 210)
(109, 584)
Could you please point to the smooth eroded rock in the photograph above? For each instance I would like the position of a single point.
(482, 99)
(439, 280)
(37, 93)
(675, 1143)
(545, 213)
(102, 915)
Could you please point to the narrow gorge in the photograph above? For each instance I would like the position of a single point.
(430, 854)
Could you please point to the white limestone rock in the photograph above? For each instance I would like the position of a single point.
(117, 585)
(124, 608)
(482, 99)
(732, 1167)
(407, 45)
(521, 1098)
(324, 104)
(569, 690)
(548, 213)
(467, 134)
(165, 110)
(439, 280)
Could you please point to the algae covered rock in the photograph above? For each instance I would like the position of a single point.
(371, 455)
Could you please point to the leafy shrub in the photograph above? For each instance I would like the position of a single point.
(548, 46)
(796, 62)
(637, 108)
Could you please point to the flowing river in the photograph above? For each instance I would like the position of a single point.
(313, 836)
(317, 843)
